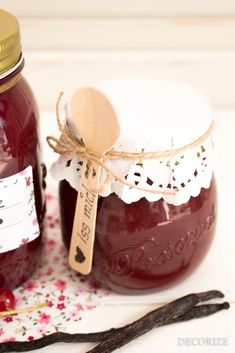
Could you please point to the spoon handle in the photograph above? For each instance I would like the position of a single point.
(83, 234)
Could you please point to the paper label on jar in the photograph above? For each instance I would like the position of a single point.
(18, 218)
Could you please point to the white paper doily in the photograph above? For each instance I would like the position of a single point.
(154, 115)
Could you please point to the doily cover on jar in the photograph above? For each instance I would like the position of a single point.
(145, 240)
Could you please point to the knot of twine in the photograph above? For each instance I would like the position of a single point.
(69, 144)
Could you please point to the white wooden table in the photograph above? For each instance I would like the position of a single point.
(216, 272)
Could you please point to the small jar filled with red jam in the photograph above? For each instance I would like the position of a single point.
(21, 198)
(157, 229)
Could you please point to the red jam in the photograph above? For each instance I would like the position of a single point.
(145, 245)
(19, 148)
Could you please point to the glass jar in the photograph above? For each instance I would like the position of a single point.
(145, 245)
(22, 205)
(145, 241)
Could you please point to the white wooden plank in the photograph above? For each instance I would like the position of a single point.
(210, 71)
(141, 33)
(120, 8)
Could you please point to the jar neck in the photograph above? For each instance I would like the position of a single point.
(9, 78)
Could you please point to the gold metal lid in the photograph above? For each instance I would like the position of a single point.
(10, 47)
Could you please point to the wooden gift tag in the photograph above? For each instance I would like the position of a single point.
(98, 126)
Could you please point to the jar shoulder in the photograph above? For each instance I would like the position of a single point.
(146, 214)
(19, 142)
(18, 102)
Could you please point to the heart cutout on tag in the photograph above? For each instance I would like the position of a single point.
(79, 257)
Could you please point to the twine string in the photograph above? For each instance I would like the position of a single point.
(68, 144)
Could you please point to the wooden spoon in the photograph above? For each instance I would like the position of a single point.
(96, 121)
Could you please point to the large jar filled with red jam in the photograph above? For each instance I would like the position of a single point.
(21, 199)
(145, 240)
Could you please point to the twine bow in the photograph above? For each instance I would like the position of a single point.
(68, 144)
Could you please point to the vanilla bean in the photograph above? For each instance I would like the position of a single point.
(156, 318)
(194, 312)
(200, 311)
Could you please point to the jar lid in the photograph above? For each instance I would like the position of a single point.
(154, 115)
(10, 47)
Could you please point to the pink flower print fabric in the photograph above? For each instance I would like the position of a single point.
(68, 295)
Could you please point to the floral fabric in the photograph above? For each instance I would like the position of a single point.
(69, 295)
